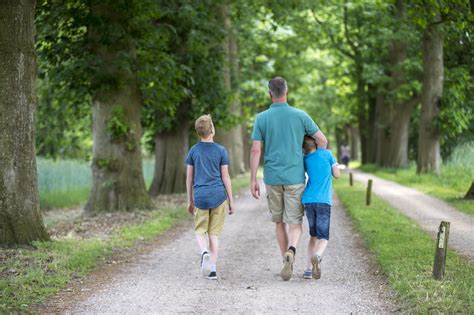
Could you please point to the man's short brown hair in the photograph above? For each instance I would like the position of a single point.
(204, 126)
(309, 144)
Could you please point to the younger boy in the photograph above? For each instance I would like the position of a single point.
(208, 186)
(319, 164)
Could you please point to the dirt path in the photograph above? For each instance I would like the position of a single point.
(427, 211)
(168, 278)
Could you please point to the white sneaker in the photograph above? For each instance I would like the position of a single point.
(205, 264)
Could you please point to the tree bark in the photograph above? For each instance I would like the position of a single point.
(117, 183)
(232, 138)
(394, 118)
(171, 149)
(429, 157)
(354, 142)
(20, 217)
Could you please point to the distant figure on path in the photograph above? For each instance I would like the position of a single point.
(281, 129)
(345, 154)
(209, 187)
(320, 165)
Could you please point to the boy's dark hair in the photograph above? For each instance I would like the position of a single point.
(309, 143)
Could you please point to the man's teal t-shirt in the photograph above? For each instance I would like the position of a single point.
(318, 166)
(282, 129)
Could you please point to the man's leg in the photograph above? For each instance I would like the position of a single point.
(295, 234)
(282, 237)
(321, 247)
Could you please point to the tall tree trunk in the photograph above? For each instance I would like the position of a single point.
(171, 149)
(429, 157)
(117, 183)
(232, 138)
(394, 119)
(371, 137)
(354, 142)
(362, 111)
(20, 217)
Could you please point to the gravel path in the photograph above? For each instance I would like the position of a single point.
(167, 280)
(427, 211)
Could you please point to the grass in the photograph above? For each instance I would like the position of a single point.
(406, 253)
(31, 274)
(66, 183)
(456, 177)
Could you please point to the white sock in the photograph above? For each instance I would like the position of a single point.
(213, 267)
(204, 251)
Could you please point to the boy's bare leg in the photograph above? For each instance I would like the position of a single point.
(202, 240)
(321, 247)
(295, 234)
(311, 251)
(282, 237)
(213, 246)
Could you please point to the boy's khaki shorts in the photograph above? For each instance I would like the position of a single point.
(210, 221)
(284, 202)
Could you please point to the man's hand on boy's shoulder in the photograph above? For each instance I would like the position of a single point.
(191, 207)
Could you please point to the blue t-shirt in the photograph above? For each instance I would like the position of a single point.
(207, 158)
(282, 129)
(318, 166)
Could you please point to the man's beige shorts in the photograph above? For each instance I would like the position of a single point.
(284, 202)
(210, 221)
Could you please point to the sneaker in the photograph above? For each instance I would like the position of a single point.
(316, 262)
(308, 274)
(287, 270)
(205, 263)
(212, 275)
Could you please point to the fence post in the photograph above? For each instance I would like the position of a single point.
(350, 179)
(439, 265)
(369, 193)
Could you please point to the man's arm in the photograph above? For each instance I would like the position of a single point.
(189, 187)
(228, 186)
(321, 140)
(255, 154)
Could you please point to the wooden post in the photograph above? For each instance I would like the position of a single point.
(369, 193)
(439, 265)
(350, 179)
(470, 192)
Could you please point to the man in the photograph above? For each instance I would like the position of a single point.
(281, 129)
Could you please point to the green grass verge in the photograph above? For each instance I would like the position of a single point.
(406, 253)
(64, 199)
(451, 186)
(29, 275)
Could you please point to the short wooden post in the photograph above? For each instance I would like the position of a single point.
(350, 179)
(439, 265)
(470, 192)
(369, 193)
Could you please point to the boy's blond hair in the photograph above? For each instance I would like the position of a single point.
(309, 144)
(204, 126)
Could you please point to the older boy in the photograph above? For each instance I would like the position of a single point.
(319, 164)
(208, 186)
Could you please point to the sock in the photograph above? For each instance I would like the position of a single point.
(292, 248)
(204, 251)
(213, 268)
(318, 256)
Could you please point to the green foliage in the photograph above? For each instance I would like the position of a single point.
(38, 272)
(117, 126)
(405, 254)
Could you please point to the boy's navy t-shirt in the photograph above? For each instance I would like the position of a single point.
(318, 166)
(207, 159)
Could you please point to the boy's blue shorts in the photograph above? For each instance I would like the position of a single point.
(319, 217)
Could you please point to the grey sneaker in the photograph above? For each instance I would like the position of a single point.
(308, 274)
(205, 264)
(287, 270)
(316, 262)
